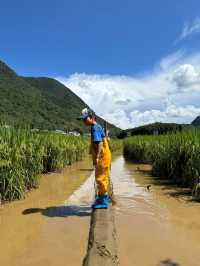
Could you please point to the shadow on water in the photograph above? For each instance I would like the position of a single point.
(177, 194)
(60, 211)
(173, 190)
(168, 262)
(170, 188)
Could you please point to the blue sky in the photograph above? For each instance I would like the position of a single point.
(105, 37)
(120, 43)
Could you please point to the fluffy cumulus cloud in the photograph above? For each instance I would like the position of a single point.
(170, 93)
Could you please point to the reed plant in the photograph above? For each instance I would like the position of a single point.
(174, 156)
(116, 145)
(24, 155)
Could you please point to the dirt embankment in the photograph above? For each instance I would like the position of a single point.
(102, 247)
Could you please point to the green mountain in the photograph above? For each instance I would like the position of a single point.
(42, 103)
(196, 121)
(153, 129)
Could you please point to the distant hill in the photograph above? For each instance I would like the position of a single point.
(153, 129)
(42, 103)
(196, 121)
(6, 71)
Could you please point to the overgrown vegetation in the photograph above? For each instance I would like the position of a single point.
(174, 156)
(24, 155)
(116, 145)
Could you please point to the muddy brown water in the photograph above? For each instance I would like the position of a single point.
(42, 229)
(159, 226)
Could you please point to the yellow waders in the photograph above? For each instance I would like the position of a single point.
(102, 170)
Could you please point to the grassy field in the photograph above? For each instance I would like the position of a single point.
(173, 156)
(24, 155)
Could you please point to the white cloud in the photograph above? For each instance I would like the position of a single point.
(171, 93)
(189, 29)
(171, 59)
(186, 75)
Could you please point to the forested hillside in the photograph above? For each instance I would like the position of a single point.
(42, 103)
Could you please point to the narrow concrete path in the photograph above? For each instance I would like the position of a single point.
(102, 243)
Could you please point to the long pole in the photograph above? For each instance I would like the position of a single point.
(106, 128)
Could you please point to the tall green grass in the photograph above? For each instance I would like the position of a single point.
(173, 156)
(24, 155)
(116, 145)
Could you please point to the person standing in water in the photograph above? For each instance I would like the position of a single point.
(101, 158)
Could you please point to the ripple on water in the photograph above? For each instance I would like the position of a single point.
(131, 198)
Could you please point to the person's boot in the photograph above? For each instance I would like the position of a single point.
(101, 202)
(97, 201)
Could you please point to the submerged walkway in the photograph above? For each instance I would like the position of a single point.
(102, 243)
